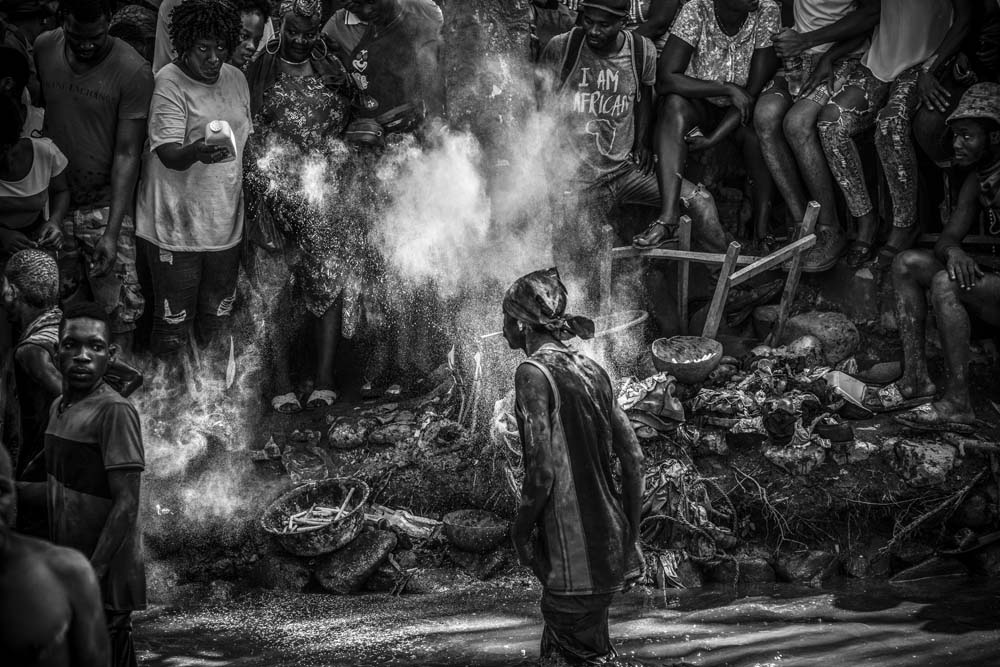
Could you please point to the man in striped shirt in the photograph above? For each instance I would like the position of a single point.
(574, 527)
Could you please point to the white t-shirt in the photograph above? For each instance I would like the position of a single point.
(23, 200)
(908, 33)
(812, 15)
(201, 208)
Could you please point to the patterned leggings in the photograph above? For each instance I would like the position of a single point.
(890, 108)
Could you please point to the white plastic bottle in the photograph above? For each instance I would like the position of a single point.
(219, 133)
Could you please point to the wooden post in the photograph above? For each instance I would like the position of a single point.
(683, 272)
(792, 282)
(715, 311)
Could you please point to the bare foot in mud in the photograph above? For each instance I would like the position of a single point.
(957, 414)
(915, 387)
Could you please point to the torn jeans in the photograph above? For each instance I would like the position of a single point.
(190, 286)
(889, 108)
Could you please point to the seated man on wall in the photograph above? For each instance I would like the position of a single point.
(597, 81)
(717, 59)
(959, 286)
(827, 40)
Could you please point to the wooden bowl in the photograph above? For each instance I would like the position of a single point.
(690, 359)
(325, 539)
(478, 531)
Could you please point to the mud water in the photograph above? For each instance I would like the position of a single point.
(948, 622)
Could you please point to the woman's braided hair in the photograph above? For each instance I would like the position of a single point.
(192, 20)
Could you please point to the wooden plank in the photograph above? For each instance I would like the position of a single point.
(683, 273)
(773, 260)
(606, 261)
(715, 311)
(792, 282)
(624, 252)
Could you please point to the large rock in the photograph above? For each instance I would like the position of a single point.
(924, 462)
(811, 567)
(796, 460)
(838, 335)
(756, 571)
(281, 572)
(346, 570)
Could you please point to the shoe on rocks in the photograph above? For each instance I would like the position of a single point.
(830, 244)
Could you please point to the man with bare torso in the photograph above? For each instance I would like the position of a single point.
(50, 606)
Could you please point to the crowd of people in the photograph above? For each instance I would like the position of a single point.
(151, 154)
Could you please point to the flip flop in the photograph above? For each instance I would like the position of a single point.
(286, 404)
(321, 398)
(926, 418)
(890, 399)
(669, 239)
(859, 253)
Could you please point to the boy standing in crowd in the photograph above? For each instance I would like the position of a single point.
(94, 458)
(96, 91)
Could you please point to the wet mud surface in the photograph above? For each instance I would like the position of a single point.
(953, 622)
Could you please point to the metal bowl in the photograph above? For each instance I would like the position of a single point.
(323, 540)
(478, 531)
(690, 359)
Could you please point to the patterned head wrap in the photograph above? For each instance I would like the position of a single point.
(310, 9)
(539, 300)
(36, 275)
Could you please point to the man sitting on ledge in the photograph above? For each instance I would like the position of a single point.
(959, 287)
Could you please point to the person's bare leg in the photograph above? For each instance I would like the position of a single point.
(801, 134)
(327, 340)
(913, 272)
(676, 116)
(769, 121)
(760, 177)
(951, 306)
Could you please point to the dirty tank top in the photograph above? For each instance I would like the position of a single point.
(582, 532)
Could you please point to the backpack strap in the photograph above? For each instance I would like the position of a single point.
(571, 56)
(638, 61)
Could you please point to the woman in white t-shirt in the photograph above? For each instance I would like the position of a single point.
(34, 196)
(189, 214)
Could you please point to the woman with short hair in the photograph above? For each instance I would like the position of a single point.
(190, 204)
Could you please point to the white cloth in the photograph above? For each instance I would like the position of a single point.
(200, 208)
(908, 33)
(811, 15)
(23, 200)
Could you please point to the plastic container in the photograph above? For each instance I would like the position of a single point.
(219, 133)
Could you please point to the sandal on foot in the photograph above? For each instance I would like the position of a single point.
(368, 390)
(321, 398)
(890, 399)
(927, 418)
(859, 253)
(286, 404)
(670, 238)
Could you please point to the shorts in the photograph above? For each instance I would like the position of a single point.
(805, 66)
(117, 291)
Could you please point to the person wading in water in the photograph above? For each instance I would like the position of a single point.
(573, 527)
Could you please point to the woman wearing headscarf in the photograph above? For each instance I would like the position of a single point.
(300, 102)
(573, 527)
(190, 204)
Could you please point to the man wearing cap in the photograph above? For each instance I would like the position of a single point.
(573, 528)
(960, 287)
(597, 80)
